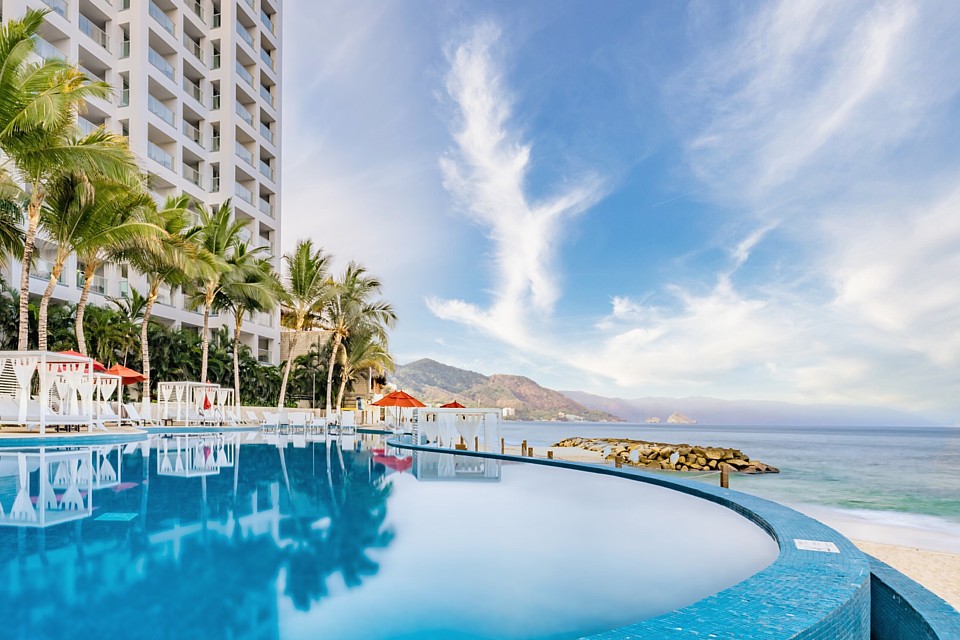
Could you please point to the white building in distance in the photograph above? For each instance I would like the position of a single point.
(197, 92)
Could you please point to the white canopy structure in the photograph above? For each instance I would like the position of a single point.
(194, 455)
(189, 400)
(444, 427)
(64, 389)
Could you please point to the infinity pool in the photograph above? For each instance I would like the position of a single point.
(211, 536)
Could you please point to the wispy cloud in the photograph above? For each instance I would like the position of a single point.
(486, 173)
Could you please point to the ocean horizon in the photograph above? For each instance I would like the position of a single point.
(898, 485)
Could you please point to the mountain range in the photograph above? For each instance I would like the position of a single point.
(438, 383)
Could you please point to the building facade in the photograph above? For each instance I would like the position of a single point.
(197, 93)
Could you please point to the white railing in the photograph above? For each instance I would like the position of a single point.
(42, 270)
(243, 73)
(245, 115)
(193, 47)
(266, 132)
(192, 175)
(266, 57)
(193, 90)
(266, 169)
(46, 50)
(58, 6)
(95, 33)
(160, 63)
(192, 132)
(197, 9)
(266, 207)
(157, 154)
(265, 93)
(157, 14)
(243, 193)
(245, 35)
(245, 155)
(86, 127)
(161, 110)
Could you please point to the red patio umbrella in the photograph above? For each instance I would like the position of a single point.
(127, 375)
(452, 405)
(397, 464)
(97, 366)
(398, 399)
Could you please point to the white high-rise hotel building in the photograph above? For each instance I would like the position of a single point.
(197, 92)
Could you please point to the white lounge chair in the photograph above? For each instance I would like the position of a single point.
(134, 416)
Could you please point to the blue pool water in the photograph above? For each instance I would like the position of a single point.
(237, 537)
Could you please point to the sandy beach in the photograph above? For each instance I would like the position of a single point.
(937, 571)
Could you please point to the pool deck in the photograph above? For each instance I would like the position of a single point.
(818, 588)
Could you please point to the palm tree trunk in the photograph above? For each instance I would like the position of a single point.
(294, 338)
(333, 359)
(343, 386)
(30, 239)
(207, 303)
(89, 270)
(145, 341)
(45, 302)
(238, 314)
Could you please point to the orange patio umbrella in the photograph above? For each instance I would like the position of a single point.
(452, 405)
(398, 399)
(127, 375)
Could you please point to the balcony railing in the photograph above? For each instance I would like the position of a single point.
(42, 270)
(160, 63)
(98, 285)
(193, 90)
(125, 97)
(58, 6)
(125, 49)
(243, 193)
(215, 60)
(97, 34)
(193, 47)
(266, 169)
(245, 35)
(192, 175)
(215, 22)
(161, 110)
(246, 156)
(243, 73)
(192, 133)
(46, 50)
(266, 95)
(266, 132)
(160, 156)
(124, 288)
(245, 115)
(164, 297)
(157, 14)
(215, 143)
(266, 207)
(266, 57)
(263, 355)
(267, 21)
(215, 184)
(197, 9)
(86, 127)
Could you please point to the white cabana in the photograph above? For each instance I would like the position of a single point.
(105, 408)
(64, 385)
(188, 400)
(443, 426)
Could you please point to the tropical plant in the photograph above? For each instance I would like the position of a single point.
(38, 107)
(173, 262)
(217, 235)
(364, 351)
(94, 218)
(306, 286)
(248, 286)
(113, 336)
(350, 308)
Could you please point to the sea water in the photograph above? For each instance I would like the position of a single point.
(906, 479)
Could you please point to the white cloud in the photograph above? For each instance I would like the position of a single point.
(486, 174)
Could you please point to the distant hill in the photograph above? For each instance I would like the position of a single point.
(437, 383)
(712, 411)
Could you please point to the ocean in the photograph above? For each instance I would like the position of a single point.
(903, 482)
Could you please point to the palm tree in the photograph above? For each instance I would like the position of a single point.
(81, 216)
(174, 262)
(120, 215)
(306, 286)
(249, 286)
(217, 235)
(38, 107)
(362, 352)
(349, 309)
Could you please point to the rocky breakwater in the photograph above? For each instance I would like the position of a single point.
(672, 457)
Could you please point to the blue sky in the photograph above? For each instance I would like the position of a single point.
(740, 200)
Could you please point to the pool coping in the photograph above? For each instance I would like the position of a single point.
(803, 594)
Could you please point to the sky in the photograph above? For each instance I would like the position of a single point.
(730, 199)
